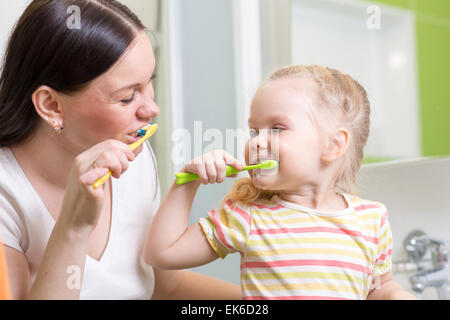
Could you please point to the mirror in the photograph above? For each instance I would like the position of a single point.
(398, 50)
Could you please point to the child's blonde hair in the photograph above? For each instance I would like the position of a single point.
(338, 94)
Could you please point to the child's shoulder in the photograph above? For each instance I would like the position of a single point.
(260, 204)
(362, 205)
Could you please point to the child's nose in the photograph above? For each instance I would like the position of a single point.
(262, 139)
(258, 146)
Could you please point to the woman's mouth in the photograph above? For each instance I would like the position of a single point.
(135, 135)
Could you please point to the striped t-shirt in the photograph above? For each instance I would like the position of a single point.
(292, 252)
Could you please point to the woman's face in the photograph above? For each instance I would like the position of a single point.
(116, 104)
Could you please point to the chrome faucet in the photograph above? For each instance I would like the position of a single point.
(416, 245)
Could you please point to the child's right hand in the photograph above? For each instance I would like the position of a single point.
(211, 167)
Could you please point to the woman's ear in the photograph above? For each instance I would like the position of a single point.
(337, 145)
(45, 100)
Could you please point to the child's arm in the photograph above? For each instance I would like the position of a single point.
(171, 244)
(385, 288)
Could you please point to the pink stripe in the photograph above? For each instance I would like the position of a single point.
(216, 222)
(315, 229)
(366, 206)
(294, 298)
(383, 219)
(290, 263)
(241, 212)
(384, 256)
(260, 206)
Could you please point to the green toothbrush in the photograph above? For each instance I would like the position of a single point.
(184, 177)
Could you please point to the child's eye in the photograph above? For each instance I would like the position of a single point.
(130, 100)
(277, 129)
(253, 133)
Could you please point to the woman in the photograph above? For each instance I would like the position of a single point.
(4, 286)
(71, 100)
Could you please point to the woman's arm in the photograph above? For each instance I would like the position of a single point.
(385, 288)
(61, 270)
(171, 244)
(186, 285)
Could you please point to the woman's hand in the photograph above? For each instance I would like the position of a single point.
(82, 203)
(211, 167)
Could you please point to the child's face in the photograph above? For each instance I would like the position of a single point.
(284, 106)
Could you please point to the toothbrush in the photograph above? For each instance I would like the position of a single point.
(184, 177)
(145, 133)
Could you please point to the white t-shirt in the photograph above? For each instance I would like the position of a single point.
(121, 273)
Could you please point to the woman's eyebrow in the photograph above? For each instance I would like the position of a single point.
(135, 85)
(132, 86)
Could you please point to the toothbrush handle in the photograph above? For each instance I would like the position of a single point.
(133, 147)
(102, 180)
(185, 177)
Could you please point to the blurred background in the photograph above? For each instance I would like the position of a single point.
(213, 54)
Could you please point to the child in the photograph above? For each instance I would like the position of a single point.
(300, 231)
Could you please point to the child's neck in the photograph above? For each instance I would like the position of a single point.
(317, 199)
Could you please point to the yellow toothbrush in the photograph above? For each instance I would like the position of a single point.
(149, 131)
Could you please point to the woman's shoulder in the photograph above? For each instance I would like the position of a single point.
(9, 170)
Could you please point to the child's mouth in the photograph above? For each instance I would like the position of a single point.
(265, 172)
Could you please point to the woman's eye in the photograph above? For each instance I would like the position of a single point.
(130, 100)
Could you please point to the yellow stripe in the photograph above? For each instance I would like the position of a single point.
(349, 243)
(385, 234)
(267, 213)
(239, 227)
(261, 214)
(303, 275)
(299, 286)
(325, 251)
(336, 221)
(369, 216)
(225, 218)
(215, 246)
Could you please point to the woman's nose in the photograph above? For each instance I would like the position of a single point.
(148, 107)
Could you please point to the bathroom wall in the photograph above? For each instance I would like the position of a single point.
(207, 75)
(10, 13)
(416, 194)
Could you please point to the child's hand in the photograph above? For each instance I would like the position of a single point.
(211, 167)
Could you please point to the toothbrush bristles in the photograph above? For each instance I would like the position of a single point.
(142, 132)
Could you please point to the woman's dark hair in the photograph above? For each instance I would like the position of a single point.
(44, 50)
